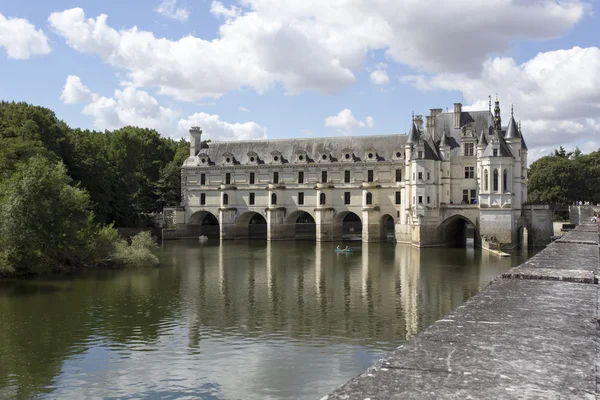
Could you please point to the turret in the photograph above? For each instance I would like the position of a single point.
(445, 146)
(513, 136)
(195, 140)
(481, 144)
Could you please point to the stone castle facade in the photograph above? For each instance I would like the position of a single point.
(461, 167)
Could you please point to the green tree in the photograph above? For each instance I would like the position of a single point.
(45, 223)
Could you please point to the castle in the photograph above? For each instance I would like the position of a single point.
(463, 168)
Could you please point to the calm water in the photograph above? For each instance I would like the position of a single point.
(244, 320)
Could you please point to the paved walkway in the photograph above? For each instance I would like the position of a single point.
(531, 334)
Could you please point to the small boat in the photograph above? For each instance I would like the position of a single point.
(203, 239)
(343, 250)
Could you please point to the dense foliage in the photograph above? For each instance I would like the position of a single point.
(129, 173)
(565, 178)
(60, 187)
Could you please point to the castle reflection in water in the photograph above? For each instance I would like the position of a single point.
(379, 293)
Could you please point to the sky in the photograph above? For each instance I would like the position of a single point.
(253, 69)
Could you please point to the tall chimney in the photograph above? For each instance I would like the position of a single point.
(195, 140)
(457, 111)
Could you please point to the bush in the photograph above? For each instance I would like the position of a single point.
(141, 252)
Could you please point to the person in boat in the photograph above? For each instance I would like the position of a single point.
(338, 248)
(346, 248)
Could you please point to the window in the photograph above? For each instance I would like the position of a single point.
(301, 198)
(273, 199)
(420, 176)
(370, 175)
(275, 177)
(469, 172)
(398, 197)
(227, 178)
(495, 152)
(420, 155)
(420, 199)
(369, 198)
(202, 199)
(413, 176)
(346, 176)
(505, 181)
(465, 199)
(225, 199)
(203, 179)
(485, 180)
(428, 176)
(322, 199)
(346, 197)
(324, 176)
(413, 199)
(469, 149)
(428, 200)
(251, 199)
(251, 178)
(300, 176)
(473, 196)
(495, 180)
(398, 175)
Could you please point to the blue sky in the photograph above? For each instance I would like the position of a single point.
(290, 68)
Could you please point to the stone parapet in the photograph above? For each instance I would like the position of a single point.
(531, 334)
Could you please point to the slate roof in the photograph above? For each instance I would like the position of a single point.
(384, 146)
(512, 131)
(504, 149)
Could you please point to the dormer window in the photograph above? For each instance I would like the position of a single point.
(325, 156)
(371, 154)
(301, 157)
(228, 158)
(203, 159)
(252, 158)
(276, 157)
(495, 152)
(347, 155)
(397, 155)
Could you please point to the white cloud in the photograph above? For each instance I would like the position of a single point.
(556, 93)
(215, 129)
(74, 92)
(370, 121)
(346, 122)
(169, 9)
(244, 109)
(20, 39)
(316, 45)
(380, 76)
(127, 107)
(218, 9)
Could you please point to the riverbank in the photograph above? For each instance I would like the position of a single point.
(531, 334)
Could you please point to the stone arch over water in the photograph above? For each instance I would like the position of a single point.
(251, 225)
(455, 231)
(204, 223)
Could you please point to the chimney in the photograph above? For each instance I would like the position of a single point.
(195, 140)
(457, 112)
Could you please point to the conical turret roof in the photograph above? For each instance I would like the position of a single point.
(445, 140)
(482, 139)
(512, 131)
(413, 134)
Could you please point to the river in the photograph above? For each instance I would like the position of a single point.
(237, 320)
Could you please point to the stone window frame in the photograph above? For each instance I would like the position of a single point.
(276, 157)
(398, 155)
(252, 158)
(347, 155)
(301, 157)
(203, 159)
(371, 155)
(325, 156)
(228, 158)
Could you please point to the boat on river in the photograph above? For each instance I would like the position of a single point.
(343, 250)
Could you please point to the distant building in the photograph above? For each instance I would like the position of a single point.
(461, 168)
